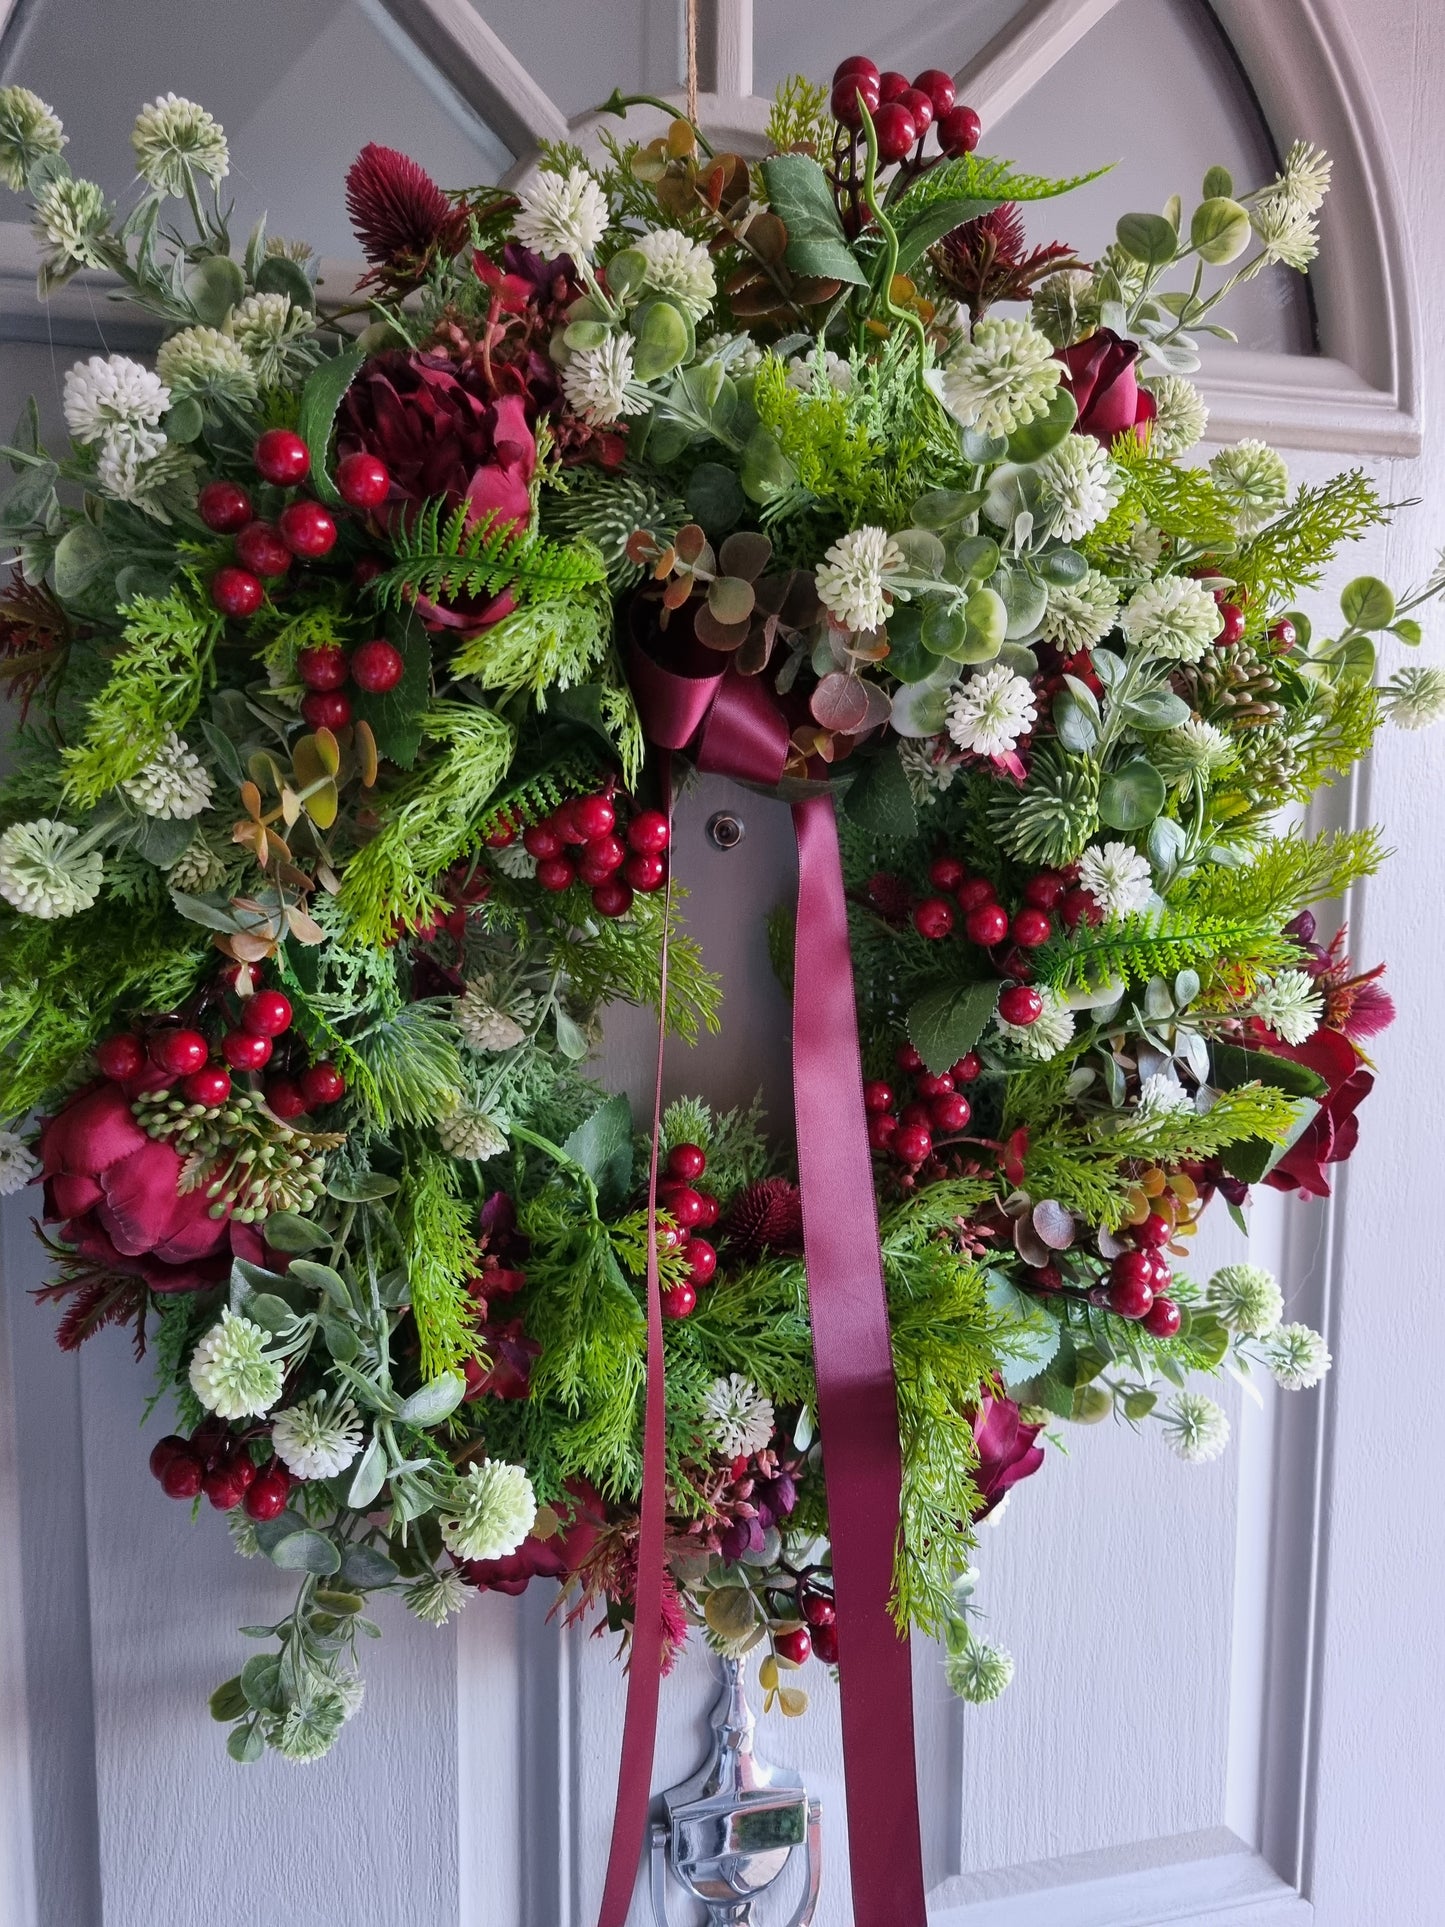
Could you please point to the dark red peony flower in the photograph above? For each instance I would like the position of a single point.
(402, 219)
(1102, 379)
(114, 1193)
(1334, 1131)
(1007, 1451)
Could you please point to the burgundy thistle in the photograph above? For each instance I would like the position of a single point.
(767, 1216)
(402, 219)
(989, 260)
(1102, 377)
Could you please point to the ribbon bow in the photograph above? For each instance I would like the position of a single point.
(733, 726)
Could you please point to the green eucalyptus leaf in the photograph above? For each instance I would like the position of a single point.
(1046, 431)
(940, 508)
(359, 1187)
(184, 421)
(908, 660)
(1025, 600)
(245, 1743)
(83, 561)
(975, 558)
(260, 1683)
(1149, 238)
(1367, 603)
(627, 272)
(1130, 798)
(434, 1401)
(278, 274)
(1156, 709)
(664, 338)
(288, 1231)
(305, 1551)
(945, 627)
(366, 1568)
(921, 708)
(213, 287)
(988, 626)
(766, 471)
(982, 449)
(1061, 568)
(1220, 230)
(1218, 184)
(366, 1481)
(1077, 730)
(229, 1701)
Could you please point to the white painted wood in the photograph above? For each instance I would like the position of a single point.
(1041, 35)
(17, 1819)
(456, 37)
(725, 53)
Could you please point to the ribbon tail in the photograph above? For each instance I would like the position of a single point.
(644, 1675)
(857, 1407)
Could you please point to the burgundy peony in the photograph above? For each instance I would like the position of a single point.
(113, 1192)
(1007, 1451)
(1334, 1131)
(1100, 375)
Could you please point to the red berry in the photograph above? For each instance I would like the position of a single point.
(939, 88)
(236, 592)
(362, 481)
(210, 1085)
(1031, 927)
(679, 1300)
(367, 569)
(1232, 625)
(1130, 1297)
(120, 1057)
(594, 816)
(974, 893)
(1282, 636)
(1163, 1319)
(987, 925)
(324, 667)
(700, 1259)
(504, 834)
(1131, 1274)
(796, 1645)
(1044, 890)
(882, 1128)
(845, 98)
(895, 129)
(282, 457)
(541, 841)
(933, 918)
(825, 1644)
(224, 507)
(179, 1051)
(268, 1013)
(912, 1143)
(555, 873)
(1079, 907)
(283, 1095)
(1020, 1004)
(946, 873)
(1155, 1230)
(322, 1084)
(377, 667)
(950, 1112)
(919, 106)
(612, 898)
(967, 1068)
(259, 548)
(711, 1210)
(914, 1113)
(933, 1083)
(877, 1096)
(181, 1476)
(327, 708)
(1045, 1278)
(907, 1059)
(686, 1162)
(859, 66)
(1163, 1271)
(601, 857)
(564, 822)
(245, 1050)
(267, 1493)
(166, 1449)
(683, 1205)
(892, 85)
(645, 871)
(649, 833)
(308, 530)
(223, 1488)
(958, 131)
(817, 1608)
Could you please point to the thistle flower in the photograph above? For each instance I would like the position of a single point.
(852, 579)
(203, 361)
(1117, 877)
(29, 129)
(196, 870)
(174, 784)
(437, 1596)
(1253, 479)
(470, 1134)
(738, 1417)
(482, 1024)
(1286, 231)
(401, 217)
(174, 140)
(309, 1729)
(1247, 1298)
(1175, 617)
(1080, 485)
(598, 382)
(980, 1673)
(17, 1165)
(1195, 748)
(1050, 1032)
(1002, 378)
(679, 268)
(1180, 416)
(1083, 613)
(72, 219)
(232, 1373)
(990, 712)
(269, 329)
(835, 372)
(493, 1511)
(41, 876)
(928, 765)
(317, 1438)
(1195, 1428)
(562, 214)
(1290, 1003)
(1305, 180)
(116, 402)
(1297, 1357)
(1161, 1096)
(1414, 698)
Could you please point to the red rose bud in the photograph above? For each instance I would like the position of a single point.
(1101, 377)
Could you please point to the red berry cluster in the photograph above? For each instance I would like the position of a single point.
(903, 110)
(818, 1636)
(586, 841)
(1139, 1276)
(304, 531)
(214, 1461)
(691, 1211)
(904, 1124)
(183, 1052)
(374, 668)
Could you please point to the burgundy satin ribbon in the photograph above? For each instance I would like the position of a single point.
(737, 730)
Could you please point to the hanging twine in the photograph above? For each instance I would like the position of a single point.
(692, 61)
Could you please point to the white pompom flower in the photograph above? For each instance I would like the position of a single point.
(43, 874)
(1161, 1096)
(117, 403)
(1082, 613)
(1297, 1357)
(853, 578)
(1414, 698)
(598, 382)
(980, 1673)
(562, 214)
(991, 711)
(18, 1165)
(1247, 1298)
(1254, 481)
(1081, 484)
(174, 140)
(1180, 415)
(29, 130)
(808, 375)
(1003, 377)
(174, 785)
(204, 361)
(1291, 1003)
(1175, 618)
(232, 1373)
(1195, 1428)
(1117, 877)
(317, 1438)
(679, 268)
(493, 1510)
(739, 1418)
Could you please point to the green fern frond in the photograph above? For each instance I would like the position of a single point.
(983, 177)
(1156, 943)
(527, 799)
(1285, 876)
(1292, 552)
(442, 558)
(541, 646)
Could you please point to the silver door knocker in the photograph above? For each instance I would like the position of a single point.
(731, 1829)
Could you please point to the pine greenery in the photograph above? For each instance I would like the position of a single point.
(542, 646)
(1283, 877)
(440, 1253)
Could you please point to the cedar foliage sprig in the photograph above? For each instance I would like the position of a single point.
(1293, 551)
(437, 1227)
(1283, 877)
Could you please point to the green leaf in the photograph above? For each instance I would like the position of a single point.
(1156, 709)
(879, 799)
(229, 1701)
(278, 274)
(305, 1551)
(83, 558)
(602, 1145)
(434, 1401)
(359, 1187)
(945, 1023)
(27, 500)
(1251, 1159)
(212, 916)
(320, 1278)
(320, 399)
(184, 422)
(930, 224)
(799, 194)
(340, 1340)
(571, 1038)
(366, 1481)
(1234, 1065)
(269, 1310)
(1062, 568)
(1148, 238)
(1220, 230)
(1034, 440)
(395, 715)
(260, 1682)
(1218, 184)
(664, 338)
(244, 1743)
(1368, 603)
(288, 1231)
(366, 1568)
(1077, 729)
(1131, 797)
(1030, 1337)
(213, 288)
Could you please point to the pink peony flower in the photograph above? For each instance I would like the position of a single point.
(1006, 1450)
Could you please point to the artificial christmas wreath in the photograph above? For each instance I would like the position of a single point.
(340, 637)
